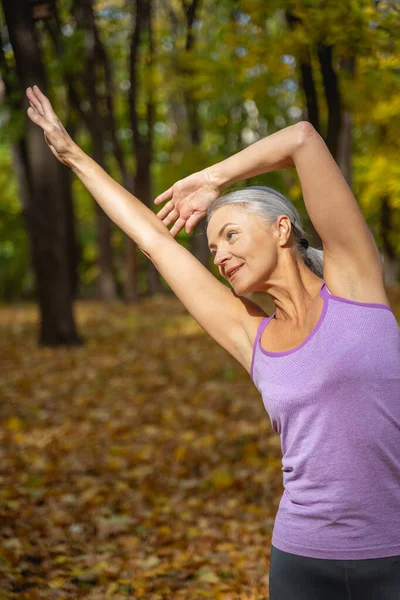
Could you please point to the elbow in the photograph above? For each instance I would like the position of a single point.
(305, 131)
(155, 242)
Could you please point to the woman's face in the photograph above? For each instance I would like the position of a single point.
(245, 249)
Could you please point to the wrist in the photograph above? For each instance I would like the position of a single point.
(75, 158)
(216, 178)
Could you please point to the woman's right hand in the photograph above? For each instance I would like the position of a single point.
(42, 114)
(189, 199)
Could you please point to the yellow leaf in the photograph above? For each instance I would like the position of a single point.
(207, 576)
(180, 452)
(192, 532)
(113, 587)
(57, 583)
(61, 560)
(221, 479)
(165, 530)
(13, 424)
(151, 561)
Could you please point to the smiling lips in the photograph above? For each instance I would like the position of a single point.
(232, 272)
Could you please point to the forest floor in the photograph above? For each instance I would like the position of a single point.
(140, 465)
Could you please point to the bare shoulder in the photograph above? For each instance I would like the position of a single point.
(350, 284)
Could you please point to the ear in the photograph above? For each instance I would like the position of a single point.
(284, 228)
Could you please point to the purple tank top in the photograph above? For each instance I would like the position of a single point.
(335, 402)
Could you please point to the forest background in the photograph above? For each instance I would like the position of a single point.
(157, 90)
(141, 464)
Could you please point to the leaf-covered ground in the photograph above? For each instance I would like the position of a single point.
(142, 465)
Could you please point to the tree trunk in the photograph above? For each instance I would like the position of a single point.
(44, 209)
(345, 134)
(345, 147)
(307, 83)
(199, 245)
(130, 268)
(333, 99)
(306, 76)
(83, 11)
(142, 37)
(73, 246)
(390, 260)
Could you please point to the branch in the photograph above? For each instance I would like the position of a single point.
(55, 35)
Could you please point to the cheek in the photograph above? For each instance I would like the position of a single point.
(263, 261)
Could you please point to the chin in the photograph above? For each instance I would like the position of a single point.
(241, 290)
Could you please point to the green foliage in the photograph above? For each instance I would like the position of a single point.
(242, 77)
(15, 274)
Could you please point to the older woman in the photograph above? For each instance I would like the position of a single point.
(327, 361)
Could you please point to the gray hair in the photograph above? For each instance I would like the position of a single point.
(269, 204)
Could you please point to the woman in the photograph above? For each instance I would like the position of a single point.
(327, 362)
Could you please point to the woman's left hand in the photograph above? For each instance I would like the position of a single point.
(42, 114)
(189, 201)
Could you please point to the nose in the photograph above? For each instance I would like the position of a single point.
(220, 257)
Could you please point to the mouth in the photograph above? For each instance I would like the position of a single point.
(232, 272)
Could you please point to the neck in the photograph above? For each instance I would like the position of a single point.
(293, 289)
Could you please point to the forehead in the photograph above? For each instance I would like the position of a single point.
(225, 214)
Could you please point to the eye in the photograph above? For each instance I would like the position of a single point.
(230, 234)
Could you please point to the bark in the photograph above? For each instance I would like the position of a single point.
(345, 147)
(130, 271)
(306, 77)
(191, 105)
(74, 250)
(54, 29)
(333, 99)
(391, 261)
(130, 263)
(84, 15)
(42, 192)
(199, 245)
(142, 40)
(345, 135)
(307, 83)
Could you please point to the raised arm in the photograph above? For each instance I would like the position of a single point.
(352, 265)
(230, 320)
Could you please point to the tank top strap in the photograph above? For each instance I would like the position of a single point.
(260, 329)
(324, 292)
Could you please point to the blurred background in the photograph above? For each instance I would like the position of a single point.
(141, 463)
(157, 90)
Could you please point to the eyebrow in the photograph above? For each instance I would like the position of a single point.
(220, 232)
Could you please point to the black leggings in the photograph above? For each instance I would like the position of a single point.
(293, 577)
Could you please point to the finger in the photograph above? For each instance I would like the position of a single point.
(45, 103)
(164, 196)
(192, 222)
(173, 215)
(177, 227)
(36, 118)
(165, 210)
(34, 102)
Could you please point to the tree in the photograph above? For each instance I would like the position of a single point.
(94, 62)
(44, 202)
(142, 111)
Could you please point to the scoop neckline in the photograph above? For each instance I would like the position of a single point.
(307, 339)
